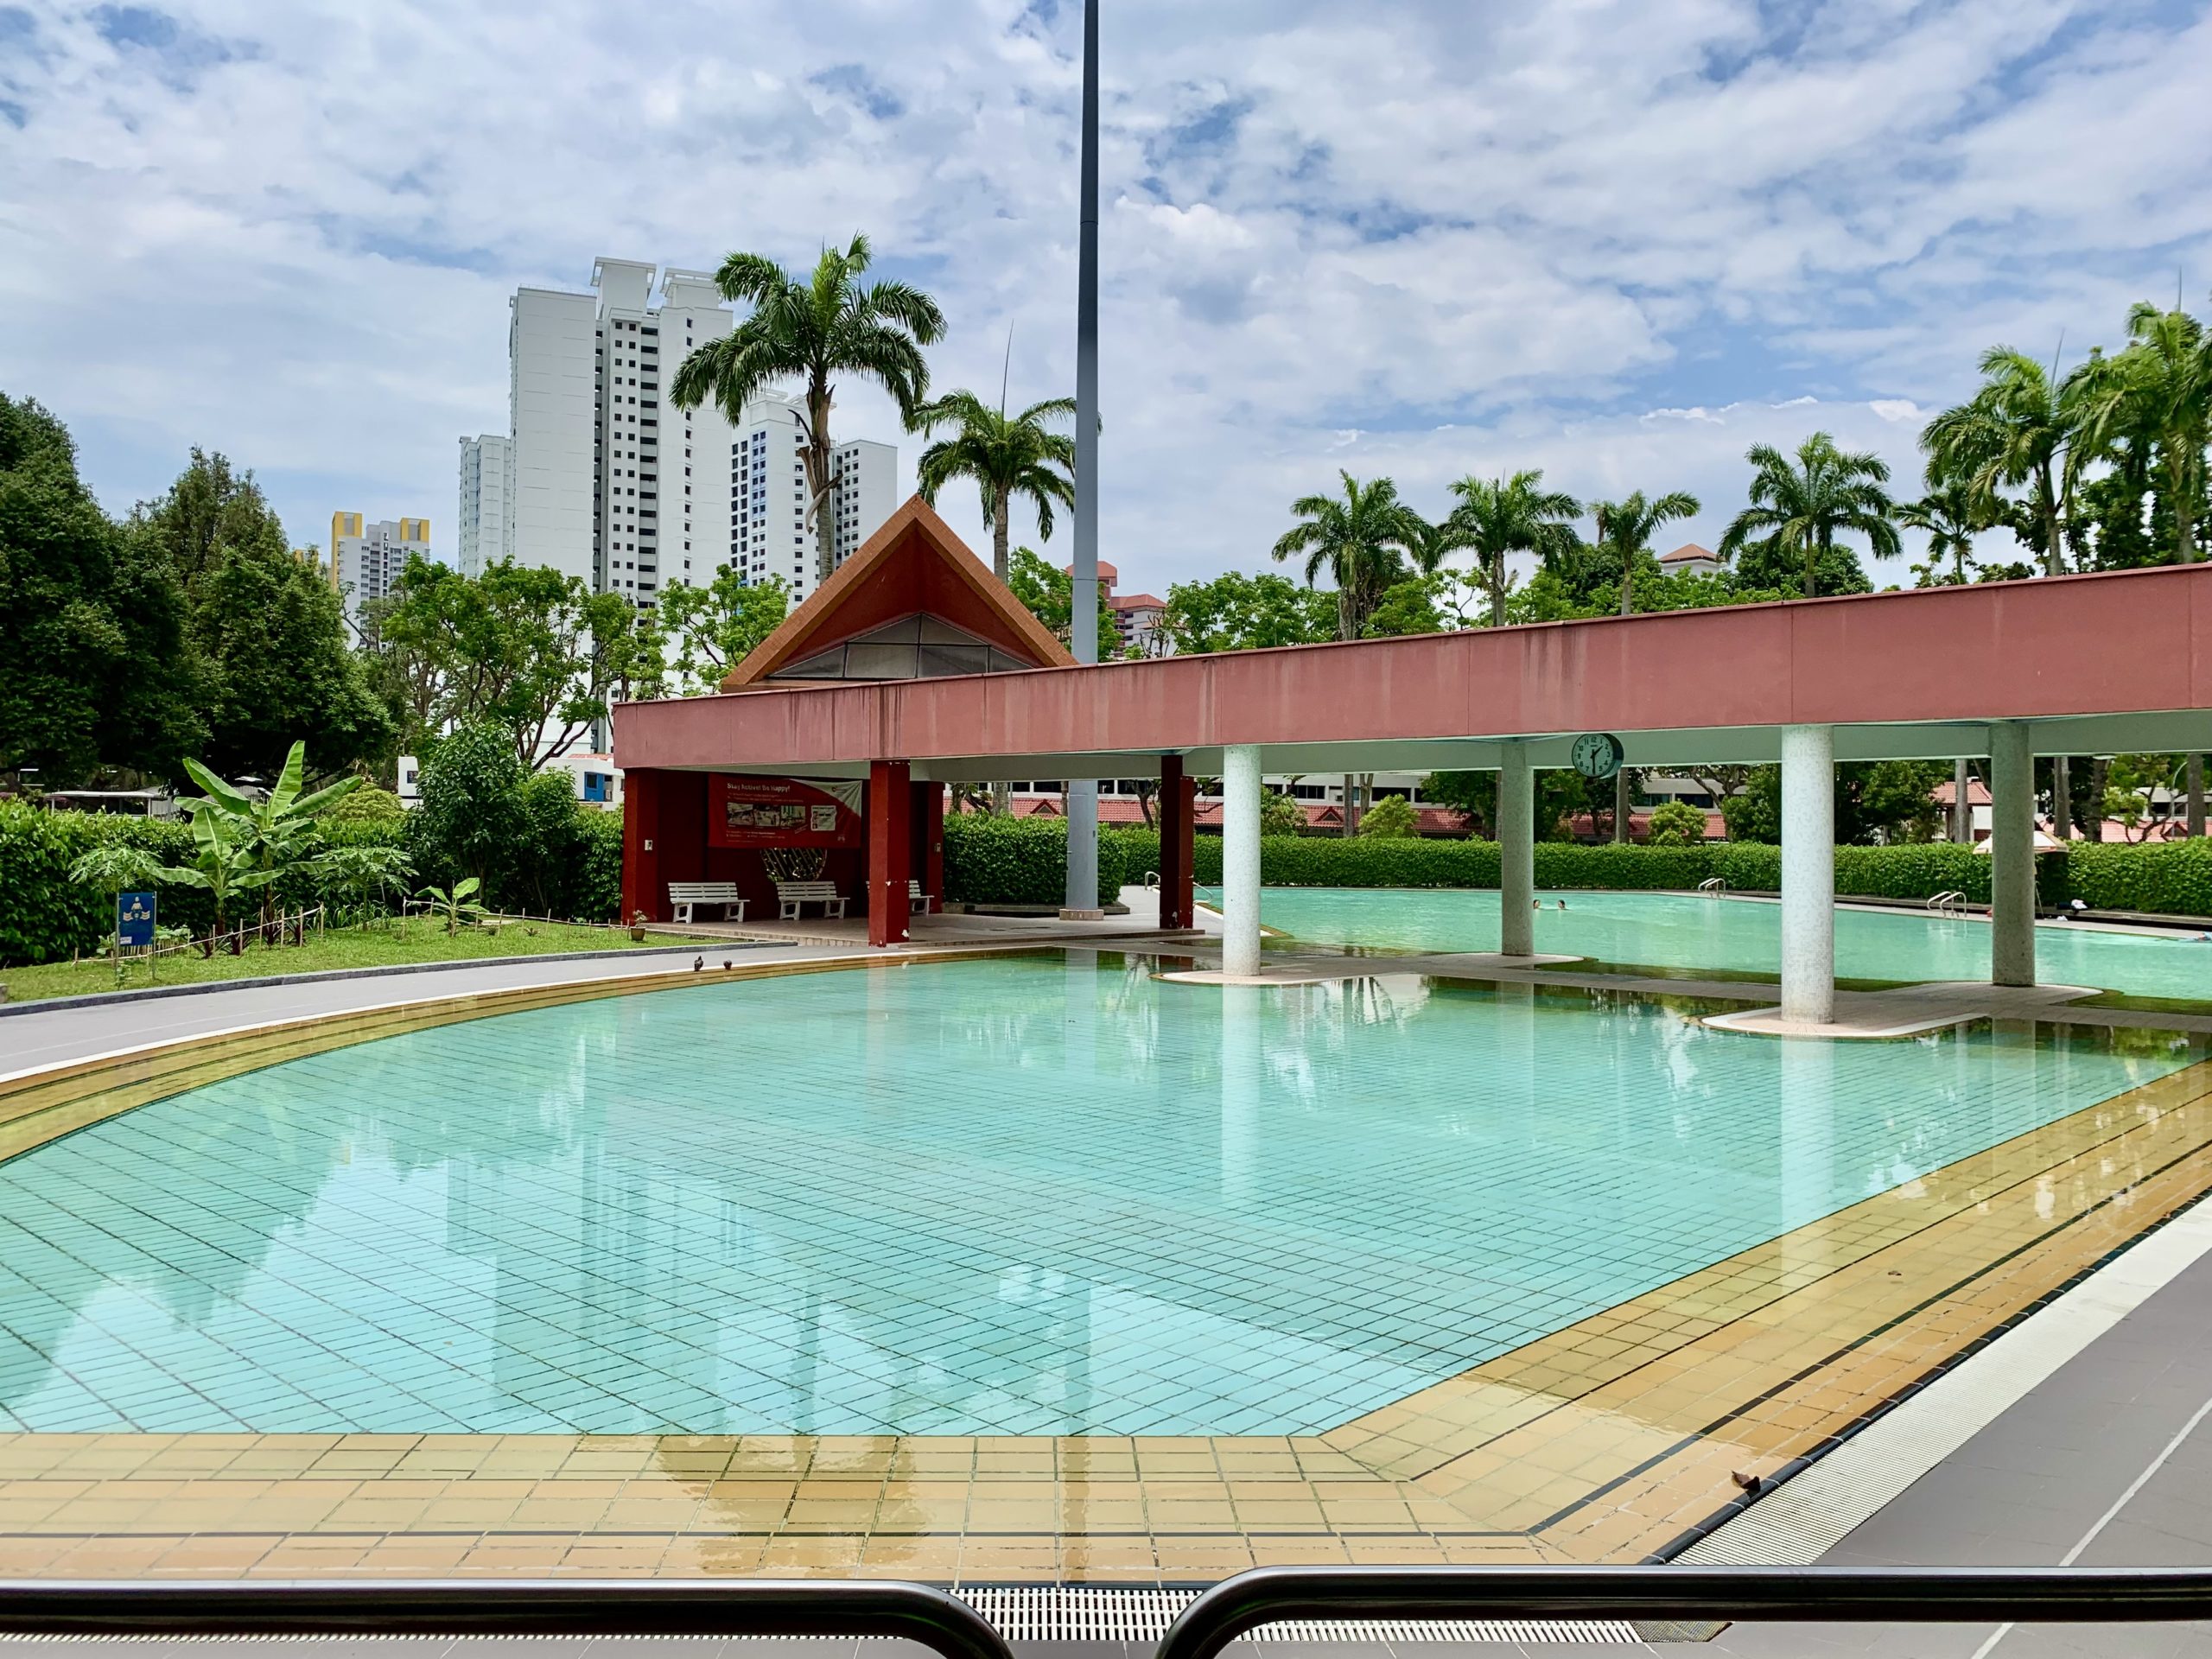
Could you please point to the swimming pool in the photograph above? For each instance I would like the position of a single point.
(1683, 931)
(1021, 1195)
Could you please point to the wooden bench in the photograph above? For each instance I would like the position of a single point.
(790, 895)
(918, 902)
(681, 895)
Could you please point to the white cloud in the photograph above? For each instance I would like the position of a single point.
(1621, 242)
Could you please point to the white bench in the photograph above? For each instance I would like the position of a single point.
(918, 902)
(681, 895)
(790, 895)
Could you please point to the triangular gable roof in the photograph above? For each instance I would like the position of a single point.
(914, 564)
(1685, 553)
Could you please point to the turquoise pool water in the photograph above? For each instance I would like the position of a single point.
(1683, 931)
(1018, 1195)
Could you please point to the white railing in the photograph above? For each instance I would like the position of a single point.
(1713, 887)
(1950, 902)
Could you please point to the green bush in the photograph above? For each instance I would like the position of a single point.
(2173, 879)
(990, 859)
(597, 894)
(1391, 818)
(1677, 823)
(367, 804)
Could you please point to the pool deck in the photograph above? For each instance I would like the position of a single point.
(1609, 1441)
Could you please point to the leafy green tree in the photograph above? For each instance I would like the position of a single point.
(2022, 427)
(528, 649)
(811, 330)
(1474, 795)
(1237, 612)
(1626, 528)
(1391, 818)
(1875, 800)
(1048, 593)
(1804, 504)
(715, 628)
(1497, 517)
(2159, 387)
(1363, 539)
(92, 631)
(1676, 823)
(273, 664)
(1409, 606)
(471, 820)
(1005, 455)
(220, 866)
(1281, 814)
(1951, 518)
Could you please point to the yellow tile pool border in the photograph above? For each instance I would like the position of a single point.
(1603, 1441)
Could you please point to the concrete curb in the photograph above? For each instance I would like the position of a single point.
(153, 993)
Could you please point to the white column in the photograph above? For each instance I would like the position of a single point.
(1240, 859)
(1516, 850)
(2011, 855)
(1808, 874)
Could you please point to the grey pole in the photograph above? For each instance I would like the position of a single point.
(1083, 613)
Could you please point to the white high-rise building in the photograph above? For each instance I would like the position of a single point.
(365, 559)
(771, 532)
(487, 484)
(612, 483)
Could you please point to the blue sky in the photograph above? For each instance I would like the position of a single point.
(1620, 242)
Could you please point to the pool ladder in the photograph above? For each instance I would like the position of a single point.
(1951, 903)
(1713, 887)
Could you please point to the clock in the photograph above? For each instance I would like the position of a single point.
(1597, 754)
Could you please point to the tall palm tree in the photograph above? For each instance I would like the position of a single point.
(1804, 503)
(1951, 518)
(1362, 538)
(1498, 516)
(2020, 428)
(1006, 455)
(1627, 526)
(811, 330)
(2161, 387)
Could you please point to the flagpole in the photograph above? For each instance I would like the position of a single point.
(1083, 612)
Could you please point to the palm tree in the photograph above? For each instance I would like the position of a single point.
(2020, 428)
(1626, 526)
(1361, 538)
(2161, 388)
(1803, 504)
(1006, 455)
(1498, 516)
(1952, 519)
(811, 332)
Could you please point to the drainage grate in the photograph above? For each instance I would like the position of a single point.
(1063, 1612)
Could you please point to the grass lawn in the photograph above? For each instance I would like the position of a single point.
(416, 939)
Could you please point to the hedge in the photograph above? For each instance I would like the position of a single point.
(2173, 880)
(989, 859)
(45, 917)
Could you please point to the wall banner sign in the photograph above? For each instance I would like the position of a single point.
(784, 812)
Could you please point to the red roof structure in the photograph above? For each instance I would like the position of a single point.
(913, 603)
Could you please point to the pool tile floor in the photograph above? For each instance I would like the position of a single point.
(1603, 1440)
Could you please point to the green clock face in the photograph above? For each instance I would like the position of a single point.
(1597, 754)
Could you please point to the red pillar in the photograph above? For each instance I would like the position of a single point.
(890, 850)
(1179, 796)
(641, 884)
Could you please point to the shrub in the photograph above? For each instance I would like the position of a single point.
(2170, 878)
(990, 859)
(1391, 818)
(1281, 814)
(597, 894)
(472, 818)
(367, 804)
(1677, 823)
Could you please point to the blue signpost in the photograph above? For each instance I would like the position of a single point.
(134, 918)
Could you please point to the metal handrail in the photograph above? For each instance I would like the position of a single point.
(1268, 1595)
(844, 1607)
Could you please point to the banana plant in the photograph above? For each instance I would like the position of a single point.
(221, 866)
(458, 907)
(272, 832)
